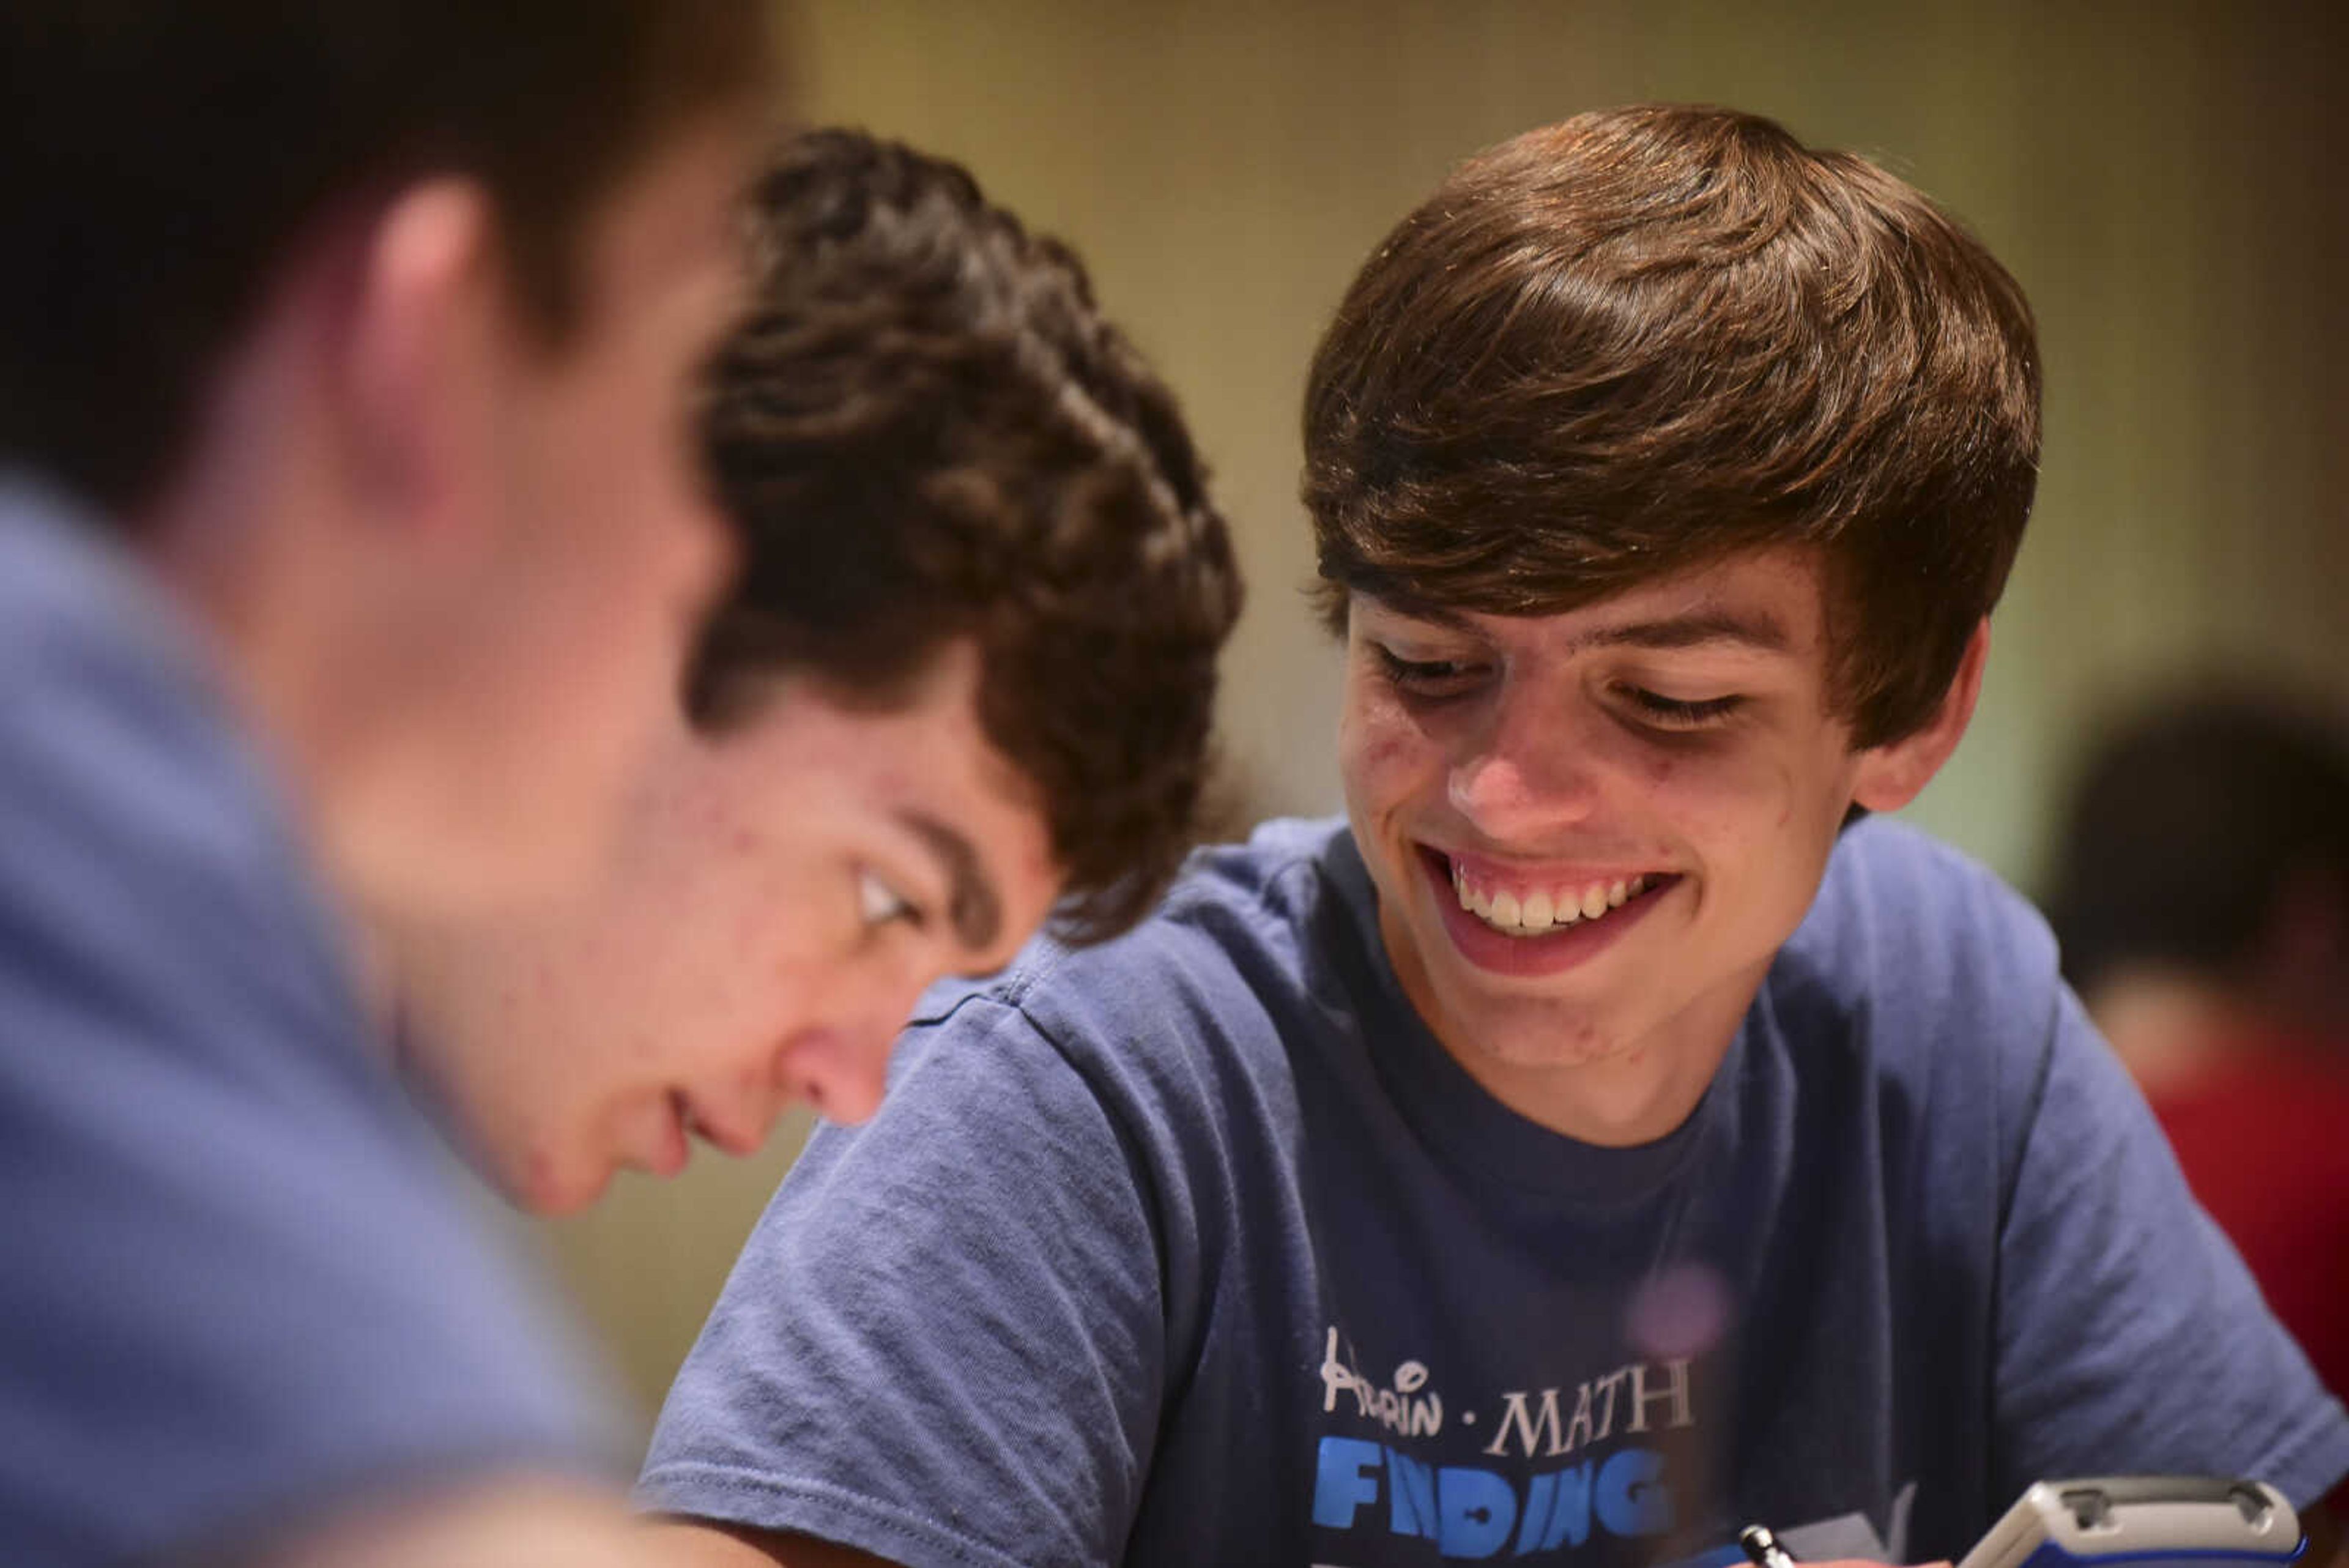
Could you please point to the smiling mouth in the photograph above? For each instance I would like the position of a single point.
(1538, 906)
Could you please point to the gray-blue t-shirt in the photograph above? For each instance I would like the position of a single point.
(1198, 1248)
(237, 1286)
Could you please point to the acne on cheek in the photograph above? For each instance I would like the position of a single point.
(1373, 746)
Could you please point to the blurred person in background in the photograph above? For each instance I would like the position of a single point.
(1595, 1140)
(349, 546)
(2200, 895)
(963, 682)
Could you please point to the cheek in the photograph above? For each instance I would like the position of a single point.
(1750, 813)
(1381, 753)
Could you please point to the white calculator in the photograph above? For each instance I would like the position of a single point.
(2143, 1521)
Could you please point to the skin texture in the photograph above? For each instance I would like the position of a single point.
(729, 961)
(1532, 752)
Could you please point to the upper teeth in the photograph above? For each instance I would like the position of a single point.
(1543, 908)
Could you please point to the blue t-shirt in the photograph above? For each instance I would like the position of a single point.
(1197, 1248)
(238, 1288)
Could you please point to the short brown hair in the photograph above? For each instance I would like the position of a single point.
(158, 159)
(1649, 338)
(926, 431)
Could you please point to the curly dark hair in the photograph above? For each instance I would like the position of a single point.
(1648, 339)
(928, 433)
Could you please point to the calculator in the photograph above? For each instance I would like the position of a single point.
(2143, 1521)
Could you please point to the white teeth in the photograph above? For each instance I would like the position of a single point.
(1543, 911)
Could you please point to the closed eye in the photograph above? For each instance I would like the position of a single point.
(1432, 678)
(877, 903)
(1679, 713)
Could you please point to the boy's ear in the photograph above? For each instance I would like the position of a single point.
(1892, 776)
(415, 372)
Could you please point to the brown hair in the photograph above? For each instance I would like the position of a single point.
(1649, 338)
(158, 160)
(927, 431)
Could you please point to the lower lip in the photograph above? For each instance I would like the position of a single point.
(1554, 953)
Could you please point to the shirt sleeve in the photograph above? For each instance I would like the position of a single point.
(944, 1343)
(240, 1289)
(2131, 1339)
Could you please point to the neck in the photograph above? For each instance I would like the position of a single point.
(1617, 1102)
(234, 538)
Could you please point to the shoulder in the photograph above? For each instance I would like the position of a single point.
(116, 747)
(1241, 920)
(1904, 920)
(1924, 975)
(1171, 1025)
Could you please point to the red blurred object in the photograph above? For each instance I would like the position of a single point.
(2263, 1136)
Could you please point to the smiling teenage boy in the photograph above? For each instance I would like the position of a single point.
(1595, 1142)
(964, 683)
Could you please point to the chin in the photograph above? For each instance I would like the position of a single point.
(538, 1182)
(1569, 1041)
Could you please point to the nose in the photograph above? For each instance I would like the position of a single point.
(1530, 764)
(839, 1073)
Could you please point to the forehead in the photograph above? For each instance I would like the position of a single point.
(1767, 602)
(923, 741)
(828, 771)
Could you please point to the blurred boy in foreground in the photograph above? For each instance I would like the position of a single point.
(348, 553)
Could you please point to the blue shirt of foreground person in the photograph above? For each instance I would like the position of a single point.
(1590, 1145)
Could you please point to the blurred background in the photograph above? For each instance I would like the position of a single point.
(2164, 178)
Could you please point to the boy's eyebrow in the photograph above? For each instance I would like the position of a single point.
(1758, 631)
(1427, 613)
(973, 906)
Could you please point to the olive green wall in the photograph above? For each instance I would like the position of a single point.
(2161, 177)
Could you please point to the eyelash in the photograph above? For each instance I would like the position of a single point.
(901, 909)
(1441, 680)
(1431, 681)
(1672, 714)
